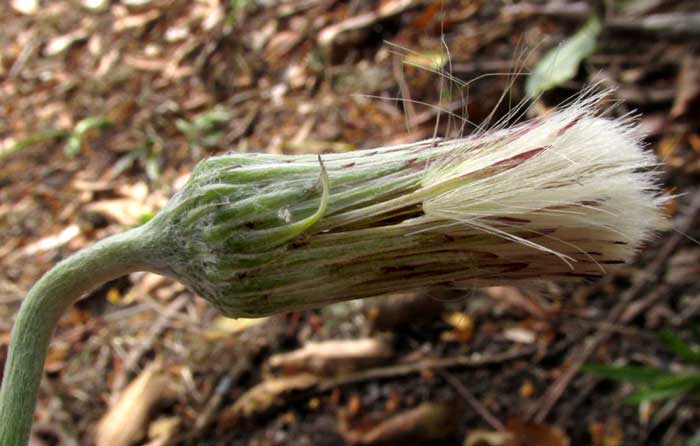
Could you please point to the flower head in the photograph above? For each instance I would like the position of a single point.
(566, 197)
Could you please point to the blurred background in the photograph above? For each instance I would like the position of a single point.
(107, 106)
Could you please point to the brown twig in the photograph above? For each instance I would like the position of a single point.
(210, 411)
(131, 361)
(469, 397)
(416, 367)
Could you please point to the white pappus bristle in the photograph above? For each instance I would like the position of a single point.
(573, 184)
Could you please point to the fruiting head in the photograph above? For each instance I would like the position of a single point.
(562, 197)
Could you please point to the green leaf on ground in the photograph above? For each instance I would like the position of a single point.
(28, 141)
(679, 346)
(695, 441)
(630, 374)
(561, 64)
(666, 388)
(75, 140)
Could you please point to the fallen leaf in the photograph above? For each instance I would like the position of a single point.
(127, 420)
(144, 284)
(59, 44)
(520, 335)
(124, 211)
(162, 431)
(667, 147)
(687, 86)
(332, 357)
(607, 434)
(530, 434)
(462, 327)
(263, 397)
(26, 7)
(136, 20)
(519, 433)
(281, 44)
(224, 326)
(95, 5)
(561, 64)
(52, 241)
(489, 438)
(426, 423)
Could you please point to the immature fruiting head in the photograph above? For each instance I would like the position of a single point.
(562, 197)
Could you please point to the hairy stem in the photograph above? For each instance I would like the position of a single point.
(41, 310)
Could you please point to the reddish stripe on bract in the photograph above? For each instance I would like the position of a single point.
(508, 219)
(519, 159)
(523, 130)
(484, 254)
(513, 267)
(590, 203)
(581, 275)
(505, 164)
(569, 125)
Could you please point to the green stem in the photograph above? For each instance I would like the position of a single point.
(40, 312)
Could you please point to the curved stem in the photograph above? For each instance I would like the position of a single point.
(39, 314)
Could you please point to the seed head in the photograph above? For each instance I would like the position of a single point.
(563, 197)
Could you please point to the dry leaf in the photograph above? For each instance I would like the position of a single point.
(95, 5)
(264, 397)
(162, 431)
(332, 357)
(127, 420)
(52, 241)
(26, 7)
(124, 211)
(489, 438)
(667, 150)
(144, 284)
(688, 86)
(281, 44)
(426, 423)
(224, 326)
(520, 335)
(531, 434)
(135, 21)
(59, 44)
(462, 327)
(519, 433)
(609, 433)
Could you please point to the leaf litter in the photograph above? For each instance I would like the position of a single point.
(254, 76)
